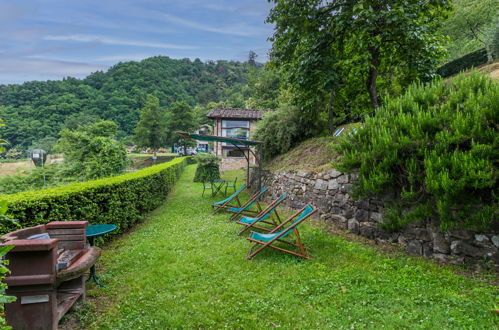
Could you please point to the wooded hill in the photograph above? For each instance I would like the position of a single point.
(35, 112)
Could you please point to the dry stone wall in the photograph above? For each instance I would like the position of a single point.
(329, 191)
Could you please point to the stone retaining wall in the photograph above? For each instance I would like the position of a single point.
(329, 191)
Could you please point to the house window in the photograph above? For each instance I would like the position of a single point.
(235, 129)
(232, 153)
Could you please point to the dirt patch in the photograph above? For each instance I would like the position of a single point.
(491, 69)
(15, 168)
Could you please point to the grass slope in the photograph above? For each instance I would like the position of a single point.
(312, 154)
(183, 268)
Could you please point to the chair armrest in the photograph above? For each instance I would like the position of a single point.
(25, 245)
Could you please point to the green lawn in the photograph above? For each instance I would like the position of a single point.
(183, 268)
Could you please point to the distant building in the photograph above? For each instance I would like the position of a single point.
(203, 130)
(235, 123)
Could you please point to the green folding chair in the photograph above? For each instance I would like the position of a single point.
(207, 186)
(278, 234)
(230, 185)
(226, 203)
(270, 210)
(246, 208)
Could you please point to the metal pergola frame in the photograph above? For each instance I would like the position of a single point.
(236, 143)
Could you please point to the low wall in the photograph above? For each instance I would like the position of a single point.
(329, 191)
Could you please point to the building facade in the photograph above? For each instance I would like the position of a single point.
(234, 123)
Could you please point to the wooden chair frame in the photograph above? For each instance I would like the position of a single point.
(228, 204)
(276, 219)
(244, 209)
(299, 244)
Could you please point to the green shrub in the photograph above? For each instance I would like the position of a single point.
(466, 62)
(436, 148)
(37, 178)
(280, 130)
(121, 200)
(4, 219)
(92, 152)
(207, 168)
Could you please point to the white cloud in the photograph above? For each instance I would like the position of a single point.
(123, 58)
(239, 29)
(113, 41)
(45, 66)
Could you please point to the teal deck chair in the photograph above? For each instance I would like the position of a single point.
(270, 210)
(278, 234)
(226, 203)
(246, 208)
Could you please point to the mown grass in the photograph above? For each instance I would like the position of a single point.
(183, 268)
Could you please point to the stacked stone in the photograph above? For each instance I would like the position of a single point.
(330, 192)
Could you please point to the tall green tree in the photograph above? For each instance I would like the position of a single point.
(181, 117)
(92, 151)
(2, 141)
(469, 27)
(324, 46)
(152, 129)
(263, 89)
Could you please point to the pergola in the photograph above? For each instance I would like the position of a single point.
(236, 143)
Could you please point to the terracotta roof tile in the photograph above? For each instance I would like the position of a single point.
(233, 113)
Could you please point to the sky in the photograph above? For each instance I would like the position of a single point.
(53, 39)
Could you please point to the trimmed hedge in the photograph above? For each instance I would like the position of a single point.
(121, 200)
(464, 63)
(207, 169)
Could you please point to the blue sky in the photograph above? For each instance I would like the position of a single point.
(52, 39)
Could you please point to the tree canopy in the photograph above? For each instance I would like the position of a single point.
(151, 130)
(2, 141)
(472, 25)
(330, 51)
(180, 118)
(92, 151)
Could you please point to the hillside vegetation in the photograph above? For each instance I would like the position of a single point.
(35, 112)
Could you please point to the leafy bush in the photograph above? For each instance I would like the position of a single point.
(436, 148)
(15, 153)
(121, 200)
(92, 151)
(279, 131)
(37, 178)
(4, 219)
(207, 168)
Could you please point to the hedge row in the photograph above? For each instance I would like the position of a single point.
(466, 62)
(121, 200)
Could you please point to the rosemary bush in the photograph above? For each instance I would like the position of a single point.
(436, 147)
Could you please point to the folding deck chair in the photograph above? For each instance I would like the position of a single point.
(245, 209)
(251, 222)
(226, 203)
(277, 234)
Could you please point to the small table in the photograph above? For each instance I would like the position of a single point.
(217, 185)
(91, 233)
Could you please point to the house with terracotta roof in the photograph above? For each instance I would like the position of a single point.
(235, 123)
